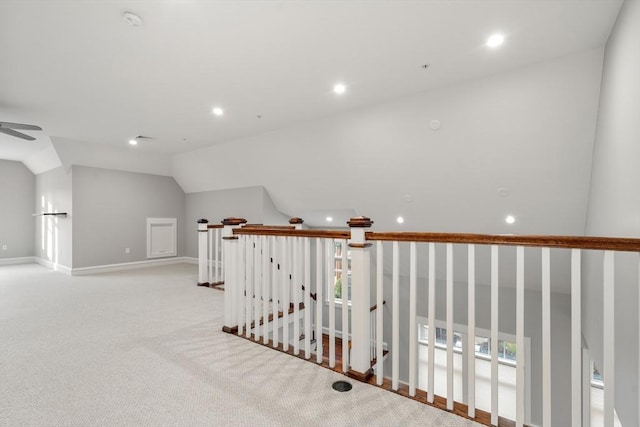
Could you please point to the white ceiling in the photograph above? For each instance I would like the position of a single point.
(76, 69)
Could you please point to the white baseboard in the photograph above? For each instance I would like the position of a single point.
(191, 260)
(54, 266)
(97, 269)
(20, 260)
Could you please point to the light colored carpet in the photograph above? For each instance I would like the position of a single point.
(145, 348)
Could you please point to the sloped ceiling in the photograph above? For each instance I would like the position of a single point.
(76, 69)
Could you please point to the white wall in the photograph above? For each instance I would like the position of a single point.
(54, 235)
(110, 212)
(614, 206)
(17, 192)
(132, 159)
(251, 203)
(530, 130)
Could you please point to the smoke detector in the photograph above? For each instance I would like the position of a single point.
(131, 19)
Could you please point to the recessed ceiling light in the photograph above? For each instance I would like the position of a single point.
(218, 111)
(133, 142)
(510, 219)
(495, 40)
(400, 220)
(503, 192)
(329, 219)
(131, 19)
(339, 88)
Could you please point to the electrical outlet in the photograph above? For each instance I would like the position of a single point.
(4, 247)
(127, 250)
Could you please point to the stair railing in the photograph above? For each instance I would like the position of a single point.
(306, 262)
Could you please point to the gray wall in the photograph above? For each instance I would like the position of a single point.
(614, 206)
(53, 235)
(111, 209)
(250, 203)
(17, 190)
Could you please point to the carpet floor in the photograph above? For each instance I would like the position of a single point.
(145, 348)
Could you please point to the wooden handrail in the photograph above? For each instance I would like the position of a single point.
(569, 242)
(215, 226)
(270, 231)
(275, 227)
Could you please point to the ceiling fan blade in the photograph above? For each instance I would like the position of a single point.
(16, 134)
(19, 126)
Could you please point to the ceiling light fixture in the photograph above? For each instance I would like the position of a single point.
(339, 88)
(495, 40)
(132, 19)
(217, 111)
(400, 220)
(510, 219)
(329, 219)
(133, 142)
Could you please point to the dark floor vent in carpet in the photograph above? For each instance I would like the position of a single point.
(341, 386)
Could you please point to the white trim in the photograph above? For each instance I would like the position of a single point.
(57, 267)
(97, 269)
(190, 260)
(19, 260)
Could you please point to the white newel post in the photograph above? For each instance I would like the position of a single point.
(203, 232)
(360, 298)
(229, 246)
(296, 222)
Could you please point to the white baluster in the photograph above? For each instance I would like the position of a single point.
(345, 307)
(319, 300)
(242, 282)
(295, 291)
(576, 341)
(210, 233)
(286, 292)
(276, 282)
(494, 335)
(608, 338)
(520, 360)
(587, 372)
(379, 315)
(432, 322)
(413, 341)
(546, 337)
(332, 302)
(257, 288)
(249, 296)
(449, 303)
(395, 322)
(218, 257)
(307, 298)
(471, 333)
(266, 285)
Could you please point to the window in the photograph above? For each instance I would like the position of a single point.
(339, 273)
(596, 377)
(506, 349)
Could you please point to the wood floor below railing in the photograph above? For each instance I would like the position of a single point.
(439, 402)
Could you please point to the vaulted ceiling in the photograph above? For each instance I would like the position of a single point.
(77, 69)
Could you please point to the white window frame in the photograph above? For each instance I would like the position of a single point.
(462, 329)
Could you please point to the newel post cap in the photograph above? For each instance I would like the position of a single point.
(360, 221)
(295, 220)
(234, 221)
(203, 221)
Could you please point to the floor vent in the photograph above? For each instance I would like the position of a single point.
(342, 386)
